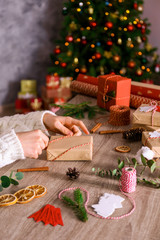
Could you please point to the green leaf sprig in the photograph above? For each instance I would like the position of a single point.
(77, 205)
(117, 172)
(78, 110)
(7, 181)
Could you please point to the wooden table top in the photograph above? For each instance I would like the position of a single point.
(142, 224)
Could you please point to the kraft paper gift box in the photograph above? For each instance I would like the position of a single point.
(147, 118)
(64, 148)
(152, 143)
(113, 90)
(147, 127)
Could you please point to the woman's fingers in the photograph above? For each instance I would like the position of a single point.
(78, 123)
(76, 131)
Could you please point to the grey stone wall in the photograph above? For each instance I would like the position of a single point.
(28, 29)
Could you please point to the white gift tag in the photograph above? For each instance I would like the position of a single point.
(154, 134)
(107, 204)
(146, 108)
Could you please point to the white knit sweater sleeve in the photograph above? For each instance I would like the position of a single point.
(24, 122)
(10, 146)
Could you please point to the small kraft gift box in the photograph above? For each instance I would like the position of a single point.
(113, 90)
(70, 148)
(152, 140)
(147, 114)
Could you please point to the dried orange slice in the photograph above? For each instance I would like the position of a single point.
(38, 189)
(123, 149)
(7, 200)
(25, 195)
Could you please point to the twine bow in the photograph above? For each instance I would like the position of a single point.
(154, 108)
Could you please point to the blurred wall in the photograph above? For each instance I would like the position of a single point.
(28, 29)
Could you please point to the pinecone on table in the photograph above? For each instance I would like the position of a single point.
(134, 134)
(72, 173)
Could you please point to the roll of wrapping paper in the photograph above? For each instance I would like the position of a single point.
(119, 115)
(84, 88)
(92, 90)
(136, 101)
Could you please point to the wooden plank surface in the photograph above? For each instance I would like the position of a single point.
(142, 224)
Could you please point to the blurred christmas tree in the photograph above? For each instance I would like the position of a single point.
(103, 36)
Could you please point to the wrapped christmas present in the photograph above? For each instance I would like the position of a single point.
(147, 127)
(147, 114)
(52, 81)
(113, 90)
(87, 79)
(152, 140)
(70, 148)
(28, 86)
(56, 93)
(145, 90)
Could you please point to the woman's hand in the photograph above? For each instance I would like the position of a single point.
(64, 125)
(33, 142)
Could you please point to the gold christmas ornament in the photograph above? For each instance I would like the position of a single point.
(108, 54)
(138, 38)
(90, 10)
(69, 53)
(119, 41)
(73, 26)
(114, 15)
(129, 42)
(148, 47)
(76, 60)
(101, 70)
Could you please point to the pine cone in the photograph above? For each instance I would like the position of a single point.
(72, 173)
(134, 134)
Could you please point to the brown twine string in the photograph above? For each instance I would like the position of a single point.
(119, 115)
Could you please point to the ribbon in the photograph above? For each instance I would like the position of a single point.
(154, 107)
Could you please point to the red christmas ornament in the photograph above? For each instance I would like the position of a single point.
(57, 50)
(144, 38)
(131, 64)
(83, 70)
(130, 27)
(109, 43)
(116, 58)
(98, 55)
(63, 64)
(143, 30)
(93, 23)
(135, 5)
(139, 72)
(69, 38)
(109, 25)
(84, 41)
(139, 25)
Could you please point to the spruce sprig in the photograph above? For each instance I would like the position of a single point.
(117, 172)
(77, 205)
(78, 110)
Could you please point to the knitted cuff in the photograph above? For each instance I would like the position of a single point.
(11, 148)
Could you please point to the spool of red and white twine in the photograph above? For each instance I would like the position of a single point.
(128, 180)
(127, 184)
